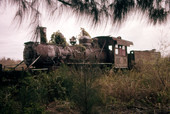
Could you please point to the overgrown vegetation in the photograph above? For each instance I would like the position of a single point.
(145, 90)
(84, 33)
(88, 89)
(58, 38)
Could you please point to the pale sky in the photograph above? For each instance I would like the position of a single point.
(143, 36)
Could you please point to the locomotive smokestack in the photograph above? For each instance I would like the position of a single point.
(43, 38)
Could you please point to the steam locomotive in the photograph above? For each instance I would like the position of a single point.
(101, 50)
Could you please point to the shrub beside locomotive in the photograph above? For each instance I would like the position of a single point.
(101, 50)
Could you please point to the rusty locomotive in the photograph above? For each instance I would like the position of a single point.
(101, 50)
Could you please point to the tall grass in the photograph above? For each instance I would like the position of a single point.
(85, 93)
(88, 89)
(146, 90)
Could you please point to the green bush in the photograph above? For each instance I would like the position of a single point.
(58, 38)
(8, 101)
(33, 92)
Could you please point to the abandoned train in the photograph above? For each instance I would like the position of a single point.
(102, 50)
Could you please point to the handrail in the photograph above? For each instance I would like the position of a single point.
(33, 62)
(18, 64)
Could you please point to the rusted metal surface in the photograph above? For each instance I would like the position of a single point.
(51, 54)
(147, 56)
(117, 40)
(43, 37)
(122, 42)
(45, 50)
(121, 62)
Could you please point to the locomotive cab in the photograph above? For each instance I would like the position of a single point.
(116, 49)
(120, 52)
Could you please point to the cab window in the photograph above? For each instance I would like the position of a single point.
(110, 47)
(116, 49)
(123, 51)
(120, 50)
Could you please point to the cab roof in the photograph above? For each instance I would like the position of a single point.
(117, 40)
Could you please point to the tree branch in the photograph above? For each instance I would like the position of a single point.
(64, 2)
